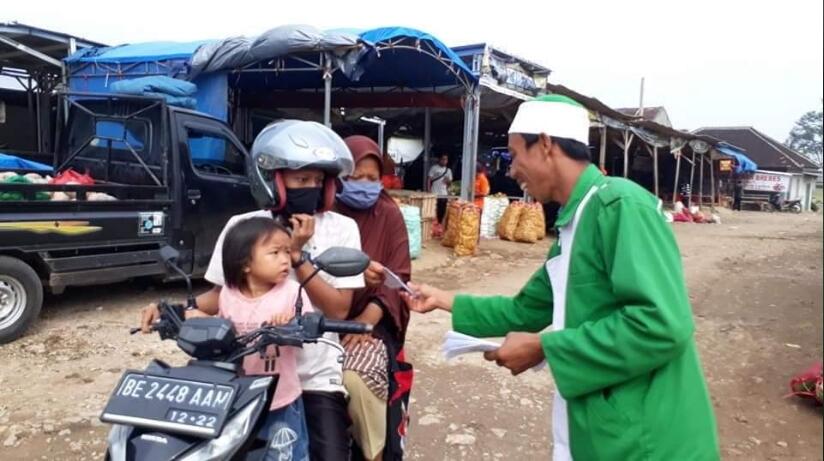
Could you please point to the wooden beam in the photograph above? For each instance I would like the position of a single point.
(627, 142)
(603, 157)
(692, 176)
(712, 183)
(677, 173)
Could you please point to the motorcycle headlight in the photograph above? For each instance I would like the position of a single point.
(118, 437)
(232, 437)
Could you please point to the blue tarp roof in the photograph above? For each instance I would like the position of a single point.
(743, 163)
(13, 162)
(389, 64)
(393, 61)
(392, 34)
(137, 52)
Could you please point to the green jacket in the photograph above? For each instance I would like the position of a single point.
(625, 361)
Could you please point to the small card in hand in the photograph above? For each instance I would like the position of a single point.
(393, 281)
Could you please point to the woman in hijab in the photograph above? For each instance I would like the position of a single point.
(385, 240)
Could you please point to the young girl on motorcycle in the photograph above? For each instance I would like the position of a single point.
(256, 263)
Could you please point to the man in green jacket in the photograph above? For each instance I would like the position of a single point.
(620, 347)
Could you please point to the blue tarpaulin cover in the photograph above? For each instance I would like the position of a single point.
(175, 91)
(414, 72)
(136, 52)
(743, 164)
(13, 162)
(391, 57)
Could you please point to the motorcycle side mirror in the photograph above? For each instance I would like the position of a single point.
(342, 262)
(168, 254)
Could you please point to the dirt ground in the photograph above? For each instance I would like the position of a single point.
(755, 282)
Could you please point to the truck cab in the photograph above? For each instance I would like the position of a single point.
(150, 175)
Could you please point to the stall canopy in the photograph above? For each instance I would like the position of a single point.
(743, 164)
(32, 57)
(396, 48)
(391, 56)
(147, 52)
(288, 58)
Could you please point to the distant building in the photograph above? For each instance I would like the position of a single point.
(772, 155)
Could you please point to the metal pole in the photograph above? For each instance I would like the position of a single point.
(30, 98)
(467, 189)
(701, 185)
(380, 136)
(64, 70)
(641, 101)
(675, 182)
(603, 157)
(327, 94)
(655, 167)
(427, 145)
(476, 122)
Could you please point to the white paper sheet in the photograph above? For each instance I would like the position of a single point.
(455, 344)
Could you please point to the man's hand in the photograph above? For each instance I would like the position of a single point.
(427, 298)
(303, 228)
(518, 353)
(148, 315)
(373, 275)
(351, 341)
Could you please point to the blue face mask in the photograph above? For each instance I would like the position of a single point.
(360, 194)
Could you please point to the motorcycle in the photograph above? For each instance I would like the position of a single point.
(208, 410)
(793, 206)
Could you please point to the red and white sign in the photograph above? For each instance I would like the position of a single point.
(768, 181)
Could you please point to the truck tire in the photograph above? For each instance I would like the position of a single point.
(21, 297)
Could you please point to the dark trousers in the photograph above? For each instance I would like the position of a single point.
(328, 423)
(736, 203)
(441, 208)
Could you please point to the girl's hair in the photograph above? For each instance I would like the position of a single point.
(239, 243)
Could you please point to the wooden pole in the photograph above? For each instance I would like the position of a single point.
(675, 182)
(701, 185)
(627, 141)
(692, 176)
(713, 202)
(655, 167)
(603, 157)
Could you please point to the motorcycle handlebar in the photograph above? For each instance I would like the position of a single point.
(345, 327)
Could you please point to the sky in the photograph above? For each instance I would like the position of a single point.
(710, 63)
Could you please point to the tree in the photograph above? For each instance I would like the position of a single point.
(806, 135)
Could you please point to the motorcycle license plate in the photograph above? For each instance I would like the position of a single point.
(170, 404)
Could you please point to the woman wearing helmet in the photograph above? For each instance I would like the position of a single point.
(292, 176)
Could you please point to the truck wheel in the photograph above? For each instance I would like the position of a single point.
(21, 297)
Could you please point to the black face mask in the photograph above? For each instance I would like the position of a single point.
(306, 200)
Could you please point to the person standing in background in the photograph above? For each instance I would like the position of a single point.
(481, 185)
(439, 179)
(736, 195)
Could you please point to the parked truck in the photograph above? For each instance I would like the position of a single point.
(162, 175)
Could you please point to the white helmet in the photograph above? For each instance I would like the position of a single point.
(296, 145)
